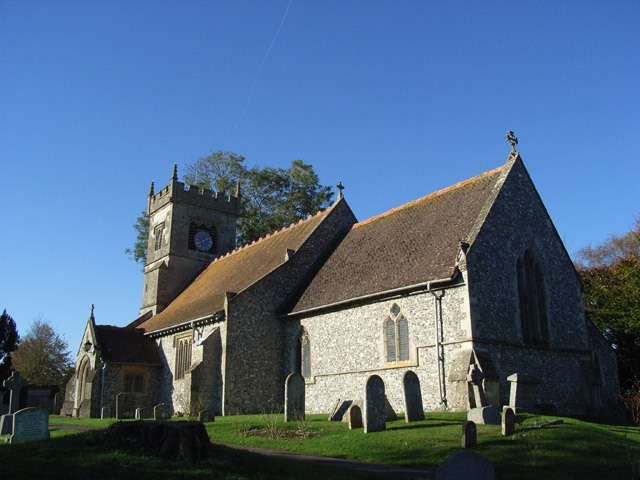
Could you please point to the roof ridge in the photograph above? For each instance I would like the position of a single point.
(270, 235)
(432, 194)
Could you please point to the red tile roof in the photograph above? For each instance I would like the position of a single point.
(414, 243)
(233, 272)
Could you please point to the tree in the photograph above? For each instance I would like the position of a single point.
(139, 251)
(9, 340)
(610, 274)
(272, 198)
(42, 357)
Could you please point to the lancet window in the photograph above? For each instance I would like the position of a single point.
(396, 336)
(183, 356)
(532, 301)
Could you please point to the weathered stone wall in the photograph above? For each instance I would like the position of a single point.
(518, 221)
(348, 345)
(254, 368)
(178, 393)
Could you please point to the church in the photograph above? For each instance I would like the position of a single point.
(473, 277)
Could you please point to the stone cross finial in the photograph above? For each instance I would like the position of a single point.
(513, 140)
(151, 190)
(91, 314)
(340, 187)
(15, 383)
(174, 175)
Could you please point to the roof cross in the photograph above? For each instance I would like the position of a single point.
(513, 140)
(340, 187)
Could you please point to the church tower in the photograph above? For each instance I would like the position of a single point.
(188, 227)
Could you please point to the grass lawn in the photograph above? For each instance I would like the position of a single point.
(576, 449)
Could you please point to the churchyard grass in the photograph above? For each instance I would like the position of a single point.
(576, 449)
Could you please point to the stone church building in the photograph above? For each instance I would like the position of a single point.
(473, 276)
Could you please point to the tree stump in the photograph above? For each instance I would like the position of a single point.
(168, 440)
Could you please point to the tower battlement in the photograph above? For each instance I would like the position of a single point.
(190, 194)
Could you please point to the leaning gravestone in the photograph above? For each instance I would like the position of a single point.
(508, 421)
(354, 415)
(469, 434)
(125, 405)
(413, 410)
(294, 398)
(30, 425)
(341, 407)
(162, 411)
(465, 465)
(105, 412)
(374, 405)
(522, 394)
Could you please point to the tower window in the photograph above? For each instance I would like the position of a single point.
(532, 301)
(203, 237)
(396, 336)
(158, 232)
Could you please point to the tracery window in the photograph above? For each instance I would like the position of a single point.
(396, 336)
(532, 301)
(183, 356)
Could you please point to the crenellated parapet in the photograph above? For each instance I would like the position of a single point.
(192, 195)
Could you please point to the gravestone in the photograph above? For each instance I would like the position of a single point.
(14, 383)
(125, 405)
(337, 414)
(469, 434)
(354, 416)
(206, 416)
(6, 424)
(508, 421)
(162, 411)
(294, 398)
(105, 412)
(522, 395)
(475, 378)
(413, 410)
(30, 425)
(484, 415)
(374, 405)
(39, 398)
(139, 413)
(465, 465)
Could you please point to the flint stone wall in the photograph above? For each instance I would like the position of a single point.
(357, 333)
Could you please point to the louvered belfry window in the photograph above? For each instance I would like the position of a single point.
(396, 336)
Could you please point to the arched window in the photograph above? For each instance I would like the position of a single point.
(183, 356)
(396, 336)
(532, 301)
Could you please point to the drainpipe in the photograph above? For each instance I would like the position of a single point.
(437, 311)
(104, 366)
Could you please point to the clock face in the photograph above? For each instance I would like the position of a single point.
(203, 241)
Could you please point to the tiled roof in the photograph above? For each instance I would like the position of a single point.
(126, 345)
(414, 243)
(233, 272)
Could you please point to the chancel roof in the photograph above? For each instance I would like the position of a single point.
(408, 245)
(232, 273)
(126, 345)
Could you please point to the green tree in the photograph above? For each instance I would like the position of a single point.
(610, 274)
(139, 251)
(9, 340)
(42, 357)
(272, 198)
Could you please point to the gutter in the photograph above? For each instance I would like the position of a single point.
(188, 324)
(418, 286)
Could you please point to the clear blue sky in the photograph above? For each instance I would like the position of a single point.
(394, 99)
